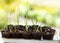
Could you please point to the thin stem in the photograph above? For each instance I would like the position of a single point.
(37, 27)
(18, 16)
(33, 22)
(26, 24)
(36, 22)
(10, 16)
(17, 20)
(26, 21)
(41, 29)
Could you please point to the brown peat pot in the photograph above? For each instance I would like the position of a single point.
(34, 32)
(33, 28)
(6, 34)
(10, 28)
(26, 35)
(36, 35)
(47, 33)
(16, 35)
(48, 36)
(20, 27)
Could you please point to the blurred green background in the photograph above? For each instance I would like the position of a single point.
(45, 11)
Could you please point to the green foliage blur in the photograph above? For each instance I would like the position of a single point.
(49, 15)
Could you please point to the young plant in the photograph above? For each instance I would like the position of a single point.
(36, 22)
(18, 19)
(27, 10)
(33, 16)
(26, 20)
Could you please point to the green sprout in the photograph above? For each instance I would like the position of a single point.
(18, 18)
(26, 20)
(36, 23)
(27, 17)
